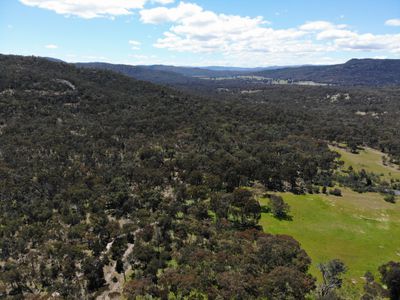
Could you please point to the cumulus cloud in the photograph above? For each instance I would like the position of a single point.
(51, 46)
(89, 9)
(393, 22)
(162, 14)
(233, 37)
(135, 45)
(194, 29)
(370, 42)
(198, 30)
(317, 26)
(345, 39)
(335, 34)
(163, 2)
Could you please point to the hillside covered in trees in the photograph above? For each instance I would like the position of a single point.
(355, 72)
(365, 72)
(106, 179)
(147, 73)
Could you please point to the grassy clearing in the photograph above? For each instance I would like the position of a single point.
(360, 229)
(368, 159)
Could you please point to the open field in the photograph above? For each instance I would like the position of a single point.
(368, 159)
(359, 229)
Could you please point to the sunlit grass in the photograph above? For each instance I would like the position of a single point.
(369, 159)
(360, 229)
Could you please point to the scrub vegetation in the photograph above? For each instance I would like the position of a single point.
(112, 187)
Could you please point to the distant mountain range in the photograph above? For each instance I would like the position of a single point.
(215, 71)
(155, 74)
(237, 69)
(363, 72)
(211, 71)
(370, 72)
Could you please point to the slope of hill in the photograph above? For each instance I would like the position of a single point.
(103, 175)
(165, 74)
(362, 72)
(369, 72)
(195, 71)
(211, 71)
(156, 75)
(183, 78)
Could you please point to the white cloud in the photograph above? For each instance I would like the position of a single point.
(89, 9)
(321, 26)
(393, 22)
(135, 45)
(233, 38)
(139, 56)
(86, 58)
(335, 34)
(250, 39)
(199, 30)
(163, 2)
(370, 42)
(162, 14)
(317, 26)
(51, 46)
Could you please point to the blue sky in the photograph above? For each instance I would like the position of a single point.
(202, 32)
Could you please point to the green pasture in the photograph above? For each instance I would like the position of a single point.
(369, 159)
(360, 229)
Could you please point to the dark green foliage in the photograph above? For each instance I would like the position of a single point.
(93, 270)
(331, 275)
(220, 205)
(336, 192)
(159, 76)
(139, 288)
(287, 283)
(389, 286)
(244, 209)
(241, 264)
(372, 289)
(118, 248)
(324, 190)
(93, 164)
(361, 181)
(279, 208)
(119, 267)
(390, 273)
(390, 198)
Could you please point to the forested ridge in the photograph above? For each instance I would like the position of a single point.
(361, 72)
(99, 172)
(355, 72)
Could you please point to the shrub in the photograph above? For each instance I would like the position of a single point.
(324, 190)
(279, 208)
(390, 198)
(336, 192)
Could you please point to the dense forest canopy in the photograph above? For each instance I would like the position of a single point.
(100, 171)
